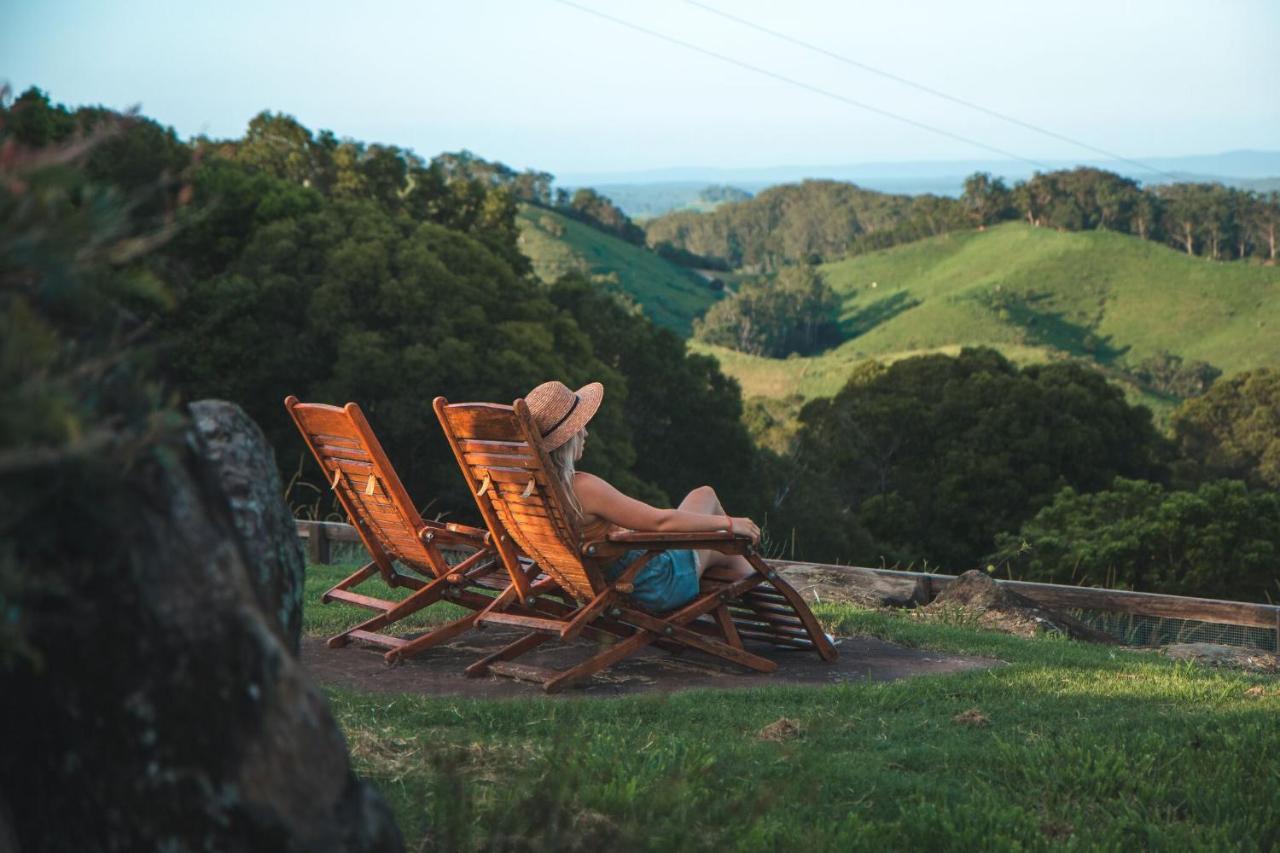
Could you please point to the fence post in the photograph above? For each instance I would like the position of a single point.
(317, 543)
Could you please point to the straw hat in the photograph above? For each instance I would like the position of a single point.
(559, 412)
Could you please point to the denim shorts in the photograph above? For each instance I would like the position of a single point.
(669, 580)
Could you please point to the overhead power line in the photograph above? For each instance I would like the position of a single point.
(826, 93)
(926, 89)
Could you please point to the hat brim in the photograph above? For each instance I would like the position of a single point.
(589, 398)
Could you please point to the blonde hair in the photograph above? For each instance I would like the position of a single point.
(564, 463)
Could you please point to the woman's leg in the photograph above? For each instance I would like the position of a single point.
(705, 501)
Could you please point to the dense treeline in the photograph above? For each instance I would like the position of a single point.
(1044, 472)
(824, 220)
(937, 455)
(292, 262)
(338, 271)
(809, 222)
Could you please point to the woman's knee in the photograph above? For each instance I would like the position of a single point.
(702, 499)
(705, 493)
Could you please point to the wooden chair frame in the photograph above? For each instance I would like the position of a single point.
(523, 505)
(390, 527)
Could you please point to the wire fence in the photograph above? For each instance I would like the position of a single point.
(1137, 629)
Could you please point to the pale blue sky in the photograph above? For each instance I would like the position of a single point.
(538, 84)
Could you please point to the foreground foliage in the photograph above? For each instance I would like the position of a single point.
(1066, 746)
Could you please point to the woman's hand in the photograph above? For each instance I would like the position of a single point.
(746, 527)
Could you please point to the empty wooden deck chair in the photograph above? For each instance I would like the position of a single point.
(391, 529)
(524, 507)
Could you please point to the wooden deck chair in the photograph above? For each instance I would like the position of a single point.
(391, 529)
(524, 507)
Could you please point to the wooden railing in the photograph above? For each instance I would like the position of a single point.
(319, 535)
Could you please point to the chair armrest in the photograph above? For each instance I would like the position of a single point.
(452, 534)
(464, 530)
(620, 542)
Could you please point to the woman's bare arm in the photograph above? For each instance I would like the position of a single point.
(601, 499)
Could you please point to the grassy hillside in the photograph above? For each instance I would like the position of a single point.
(671, 295)
(1036, 295)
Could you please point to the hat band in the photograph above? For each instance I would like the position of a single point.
(556, 425)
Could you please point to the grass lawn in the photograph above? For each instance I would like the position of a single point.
(1073, 746)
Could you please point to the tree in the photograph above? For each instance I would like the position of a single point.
(1146, 214)
(1033, 198)
(589, 206)
(936, 455)
(1233, 430)
(986, 198)
(796, 312)
(1186, 209)
(1221, 540)
(32, 120)
(1265, 222)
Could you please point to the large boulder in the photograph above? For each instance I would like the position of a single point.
(819, 583)
(236, 453)
(161, 706)
(997, 607)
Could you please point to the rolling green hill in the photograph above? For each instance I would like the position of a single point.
(1035, 294)
(670, 295)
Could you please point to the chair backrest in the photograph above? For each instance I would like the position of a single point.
(511, 477)
(369, 489)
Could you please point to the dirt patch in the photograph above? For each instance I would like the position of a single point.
(779, 730)
(439, 672)
(1231, 657)
(974, 718)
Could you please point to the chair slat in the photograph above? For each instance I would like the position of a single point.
(477, 445)
(484, 421)
(502, 460)
(517, 477)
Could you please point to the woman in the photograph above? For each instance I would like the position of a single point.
(670, 579)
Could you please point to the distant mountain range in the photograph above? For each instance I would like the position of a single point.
(655, 191)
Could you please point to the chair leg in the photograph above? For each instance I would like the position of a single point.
(434, 638)
(701, 642)
(653, 629)
(509, 652)
(725, 621)
(356, 578)
(604, 659)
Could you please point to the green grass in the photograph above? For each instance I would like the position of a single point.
(325, 620)
(1037, 295)
(1086, 747)
(670, 295)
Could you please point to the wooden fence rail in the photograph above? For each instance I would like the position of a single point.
(319, 534)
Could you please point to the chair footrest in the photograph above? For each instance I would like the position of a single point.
(358, 600)
(534, 623)
(378, 639)
(523, 671)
